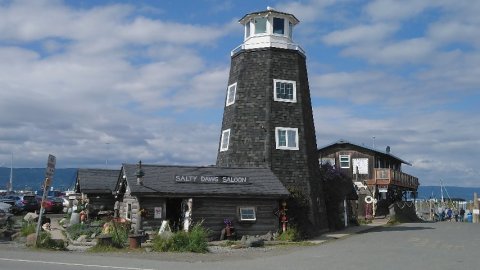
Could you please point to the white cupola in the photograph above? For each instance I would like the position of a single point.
(269, 28)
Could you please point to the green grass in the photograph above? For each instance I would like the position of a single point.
(193, 241)
(28, 228)
(103, 248)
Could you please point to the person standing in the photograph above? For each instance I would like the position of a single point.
(462, 214)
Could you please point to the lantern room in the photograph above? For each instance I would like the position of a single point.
(268, 28)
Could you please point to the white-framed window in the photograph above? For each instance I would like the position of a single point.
(278, 26)
(128, 212)
(284, 90)
(286, 138)
(260, 25)
(225, 140)
(247, 213)
(325, 161)
(344, 161)
(247, 29)
(231, 92)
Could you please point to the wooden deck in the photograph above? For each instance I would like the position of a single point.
(392, 177)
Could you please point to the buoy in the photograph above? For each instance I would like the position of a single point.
(369, 199)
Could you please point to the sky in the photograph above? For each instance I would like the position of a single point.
(101, 83)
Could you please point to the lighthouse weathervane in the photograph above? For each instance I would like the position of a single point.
(267, 119)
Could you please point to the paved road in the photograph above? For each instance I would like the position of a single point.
(408, 246)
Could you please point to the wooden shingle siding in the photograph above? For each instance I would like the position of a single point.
(149, 222)
(101, 202)
(213, 212)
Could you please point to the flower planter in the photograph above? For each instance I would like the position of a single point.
(104, 240)
(135, 240)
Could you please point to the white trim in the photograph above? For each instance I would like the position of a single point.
(234, 86)
(294, 86)
(224, 147)
(247, 208)
(340, 161)
(277, 139)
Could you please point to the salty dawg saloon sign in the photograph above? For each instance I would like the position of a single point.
(209, 179)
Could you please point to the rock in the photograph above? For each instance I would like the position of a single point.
(29, 217)
(31, 239)
(93, 236)
(222, 234)
(244, 239)
(267, 237)
(82, 238)
(254, 242)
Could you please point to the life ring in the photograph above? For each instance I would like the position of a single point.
(368, 199)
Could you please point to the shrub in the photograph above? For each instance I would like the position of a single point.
(76, 230)
(119, 233)
(291, 234)
(46, 241)
(193, 241)
(28, 228)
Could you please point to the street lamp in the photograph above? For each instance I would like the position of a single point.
(139, 173)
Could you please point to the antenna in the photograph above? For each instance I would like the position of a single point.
(373, 142)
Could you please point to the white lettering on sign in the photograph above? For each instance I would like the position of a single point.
(228, 179)
(211, 179)
(185, 178)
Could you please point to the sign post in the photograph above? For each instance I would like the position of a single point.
(52, 160)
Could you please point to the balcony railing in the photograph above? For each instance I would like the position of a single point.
(392, 177)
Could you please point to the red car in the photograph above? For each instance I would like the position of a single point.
(53, 204)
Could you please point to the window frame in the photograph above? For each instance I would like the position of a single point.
(277, 138)
(294, 89)
(283, 26)
(128, 211)
(255, 32)
(340, 161)
(234, 85)
(240, 216)
(224, 148)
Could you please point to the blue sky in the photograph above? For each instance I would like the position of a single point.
(98, 83)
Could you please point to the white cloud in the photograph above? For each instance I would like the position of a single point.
(360, 34)
(395, 9)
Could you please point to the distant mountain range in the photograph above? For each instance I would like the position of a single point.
(466, 193)
(32, 178)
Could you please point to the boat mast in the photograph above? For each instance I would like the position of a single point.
(10, 187)
(441, 189)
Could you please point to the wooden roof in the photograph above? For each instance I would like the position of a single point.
(96, 180)
(171, 181)
(342, 145)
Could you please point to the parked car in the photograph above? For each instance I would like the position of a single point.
(27, 203)
(53, 205)
(7, 200)
(22, 203)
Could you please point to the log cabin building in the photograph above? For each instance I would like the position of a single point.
(377, 175)
(98, 186)
(182, 195)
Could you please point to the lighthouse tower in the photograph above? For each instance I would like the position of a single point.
(267, 120)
